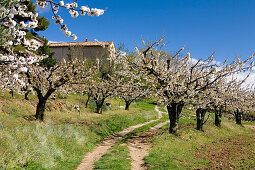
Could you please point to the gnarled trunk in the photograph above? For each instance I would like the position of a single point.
(99, 105)
(12, 93)
(218, 114)
(127, 105)
(238, 117)
(200, 113)
(87, 102)
(26, 95)
(40, 109)
(174, 111)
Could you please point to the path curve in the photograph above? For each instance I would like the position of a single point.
(94, 155)
(138, 145)
(251, 127)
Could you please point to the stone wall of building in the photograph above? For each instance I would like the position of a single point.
(79, 52)
(88, 50)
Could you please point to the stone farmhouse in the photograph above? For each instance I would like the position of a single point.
(82, 50)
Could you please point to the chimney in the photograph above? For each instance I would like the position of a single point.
(86, 40)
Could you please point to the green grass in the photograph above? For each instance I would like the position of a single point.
(179, 152)
(44, 145)
(144, 105)
(248, 123)
(62, 140)
(142, 129)
(116, 159)
(162, 108)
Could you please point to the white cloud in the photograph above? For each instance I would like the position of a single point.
(216, 62)
(249, 81)
(240, 76)
(44, 10)
(193, 61)
(55, 41)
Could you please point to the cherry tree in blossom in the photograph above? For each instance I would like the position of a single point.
(18, 71)
(134, 84)
(178, 80)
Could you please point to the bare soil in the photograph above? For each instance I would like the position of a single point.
(138, 147)
(252, 127)
(139, 144)
(236, 152)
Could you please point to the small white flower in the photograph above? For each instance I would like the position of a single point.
(85, 9)
(32, 25)
(3, 57)
(11, 58)
(61, 3)
(74, 37)
(16, 76)
(75, 14)
(61, 21)
(68, 33)
(30, 60)
(56, 7)
(68, 6)
(23, 69)
(75, 4)
(9, 43)
(22, 60)
(14, 65)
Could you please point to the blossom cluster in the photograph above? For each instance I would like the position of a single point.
(16, 29)
(74, 11)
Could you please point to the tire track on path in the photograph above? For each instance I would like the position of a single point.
(251, 127)
(139, 144)
(94, 155)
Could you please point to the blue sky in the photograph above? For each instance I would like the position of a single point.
(203, 26)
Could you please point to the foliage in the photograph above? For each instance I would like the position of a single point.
(45, 50)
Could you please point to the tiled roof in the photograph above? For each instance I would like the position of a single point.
(66, 44)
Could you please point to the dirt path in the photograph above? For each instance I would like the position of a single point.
(139, 144)
(252, 127)
(93, 156)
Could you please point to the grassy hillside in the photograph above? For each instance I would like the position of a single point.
(231, 146)
(213, 148)
(62, 140)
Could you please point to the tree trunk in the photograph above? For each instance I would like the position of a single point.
(200, 113)
(238, 117)
(218, 114)
(26, 95)
(40, 109)
(174, 111)
(99, 108)
(87, 102)
(12, 93)
(127, 105)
